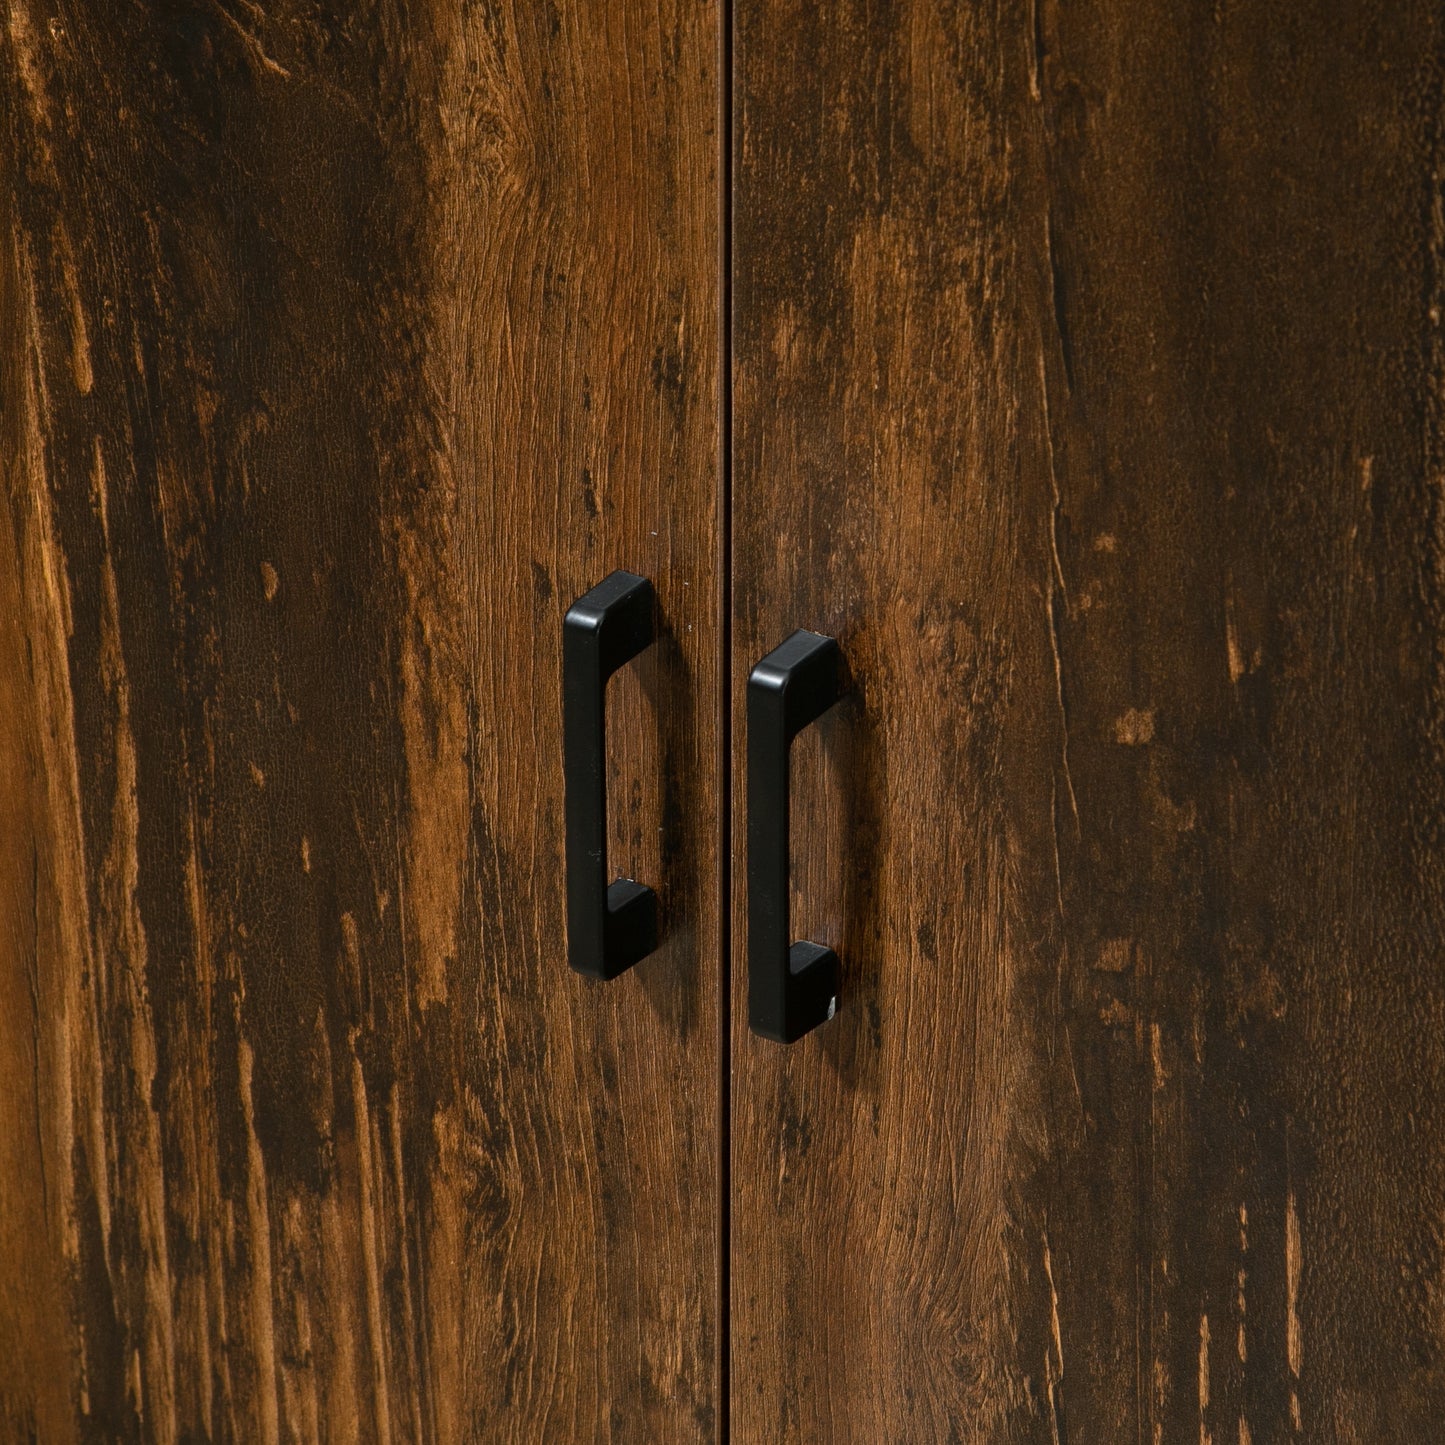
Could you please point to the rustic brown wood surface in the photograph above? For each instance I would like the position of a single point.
(1088, 386)
(341, 350)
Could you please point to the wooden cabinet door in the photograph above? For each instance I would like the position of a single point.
(343, 347)
(1088, 388)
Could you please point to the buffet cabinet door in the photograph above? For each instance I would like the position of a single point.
(342, 352)
(1087, 393)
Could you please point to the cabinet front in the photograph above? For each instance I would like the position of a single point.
(721, 722)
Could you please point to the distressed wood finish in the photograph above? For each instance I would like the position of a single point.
(1088, 376)
(340, 352)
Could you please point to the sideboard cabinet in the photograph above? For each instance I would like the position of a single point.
(1020, 431)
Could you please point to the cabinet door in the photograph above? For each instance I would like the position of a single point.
(1088, 390)
(341, 352)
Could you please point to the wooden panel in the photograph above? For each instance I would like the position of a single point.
(1087, 386)
(341, 351)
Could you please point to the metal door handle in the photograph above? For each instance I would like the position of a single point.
(792, 987)
(609, 926)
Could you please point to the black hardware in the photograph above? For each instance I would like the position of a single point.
(609, 926)
(792, 987)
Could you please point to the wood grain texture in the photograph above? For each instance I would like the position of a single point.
(342, 348)
(1088, 378)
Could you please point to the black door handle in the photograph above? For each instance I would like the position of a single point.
(609, 926)
(792, 987)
